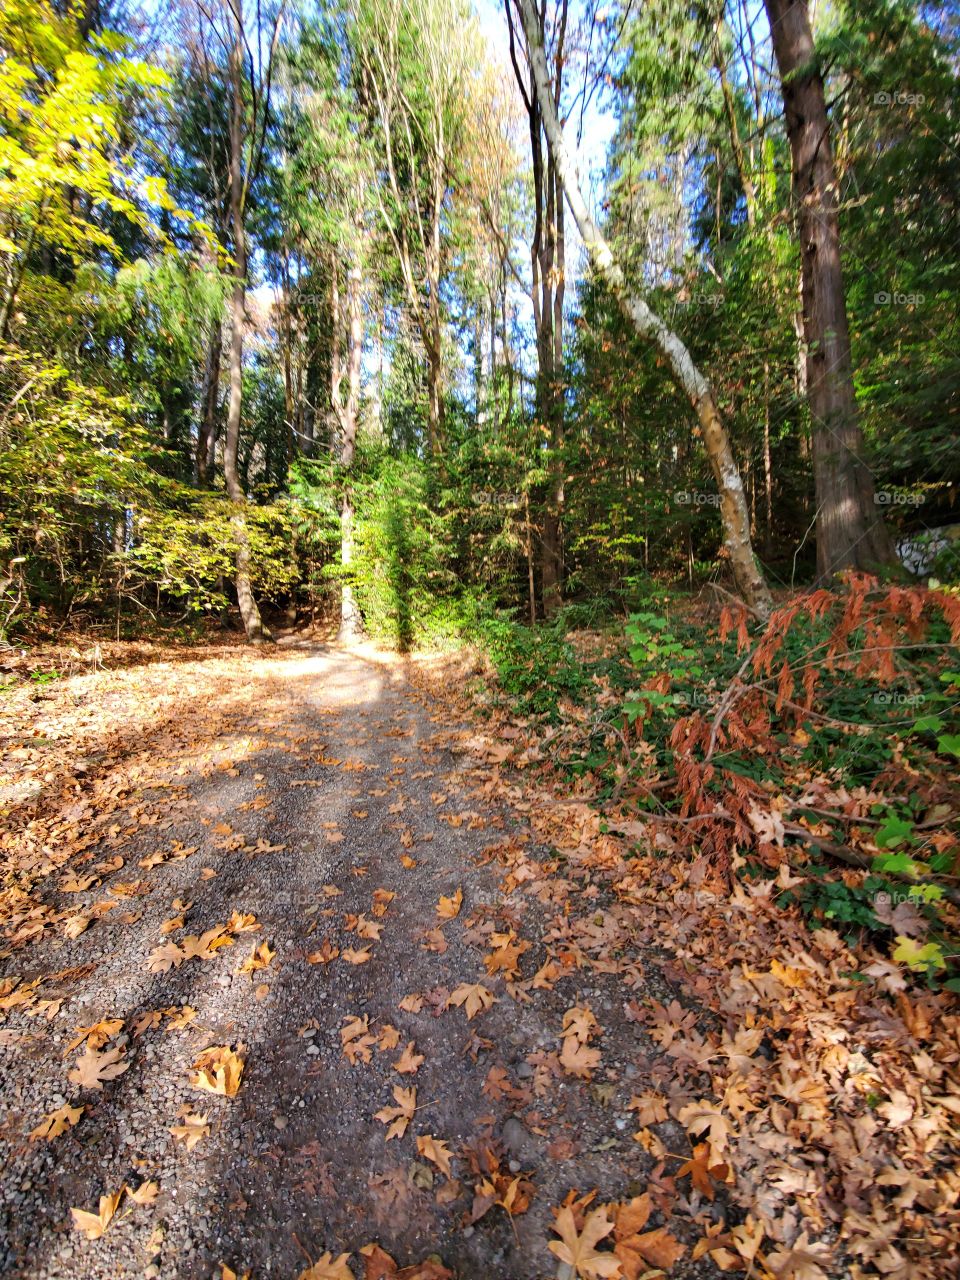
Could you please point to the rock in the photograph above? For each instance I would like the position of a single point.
(520, 1143)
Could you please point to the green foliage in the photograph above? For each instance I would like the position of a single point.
(536, 666)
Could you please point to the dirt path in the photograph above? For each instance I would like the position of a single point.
(314, 802)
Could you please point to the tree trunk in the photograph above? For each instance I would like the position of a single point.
(767, 463)
(850, 529)
(252, 623)
(347, 413)
(434, 396)
(730, 110)
(209, 402)
(733, 508)
(547, 290)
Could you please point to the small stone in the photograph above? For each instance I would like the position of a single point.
(313, 1049)
(279, 1122)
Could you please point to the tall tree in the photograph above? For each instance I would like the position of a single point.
(851, 533)
(547, 259)
(415, 59)
(237, 53)
(733, 507)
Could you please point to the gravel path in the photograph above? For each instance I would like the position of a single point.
(313, 801)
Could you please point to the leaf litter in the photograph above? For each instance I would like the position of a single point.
(622, 1069)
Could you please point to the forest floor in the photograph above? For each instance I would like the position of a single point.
(295, 966)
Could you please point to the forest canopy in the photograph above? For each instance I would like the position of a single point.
(296, 308)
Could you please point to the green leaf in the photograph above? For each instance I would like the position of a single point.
(914, 956)
(893, 832)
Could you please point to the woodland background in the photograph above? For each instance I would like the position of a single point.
(299, 282)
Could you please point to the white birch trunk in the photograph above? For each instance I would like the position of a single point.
(733, 508)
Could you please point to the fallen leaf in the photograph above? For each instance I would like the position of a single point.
(190, 1130)
(92, 1069)
(576, 1248)
(409, 1061)
(259, 958)
(436, 1151)
(578, 1059)
(475, 998)
(329, 1268)
(327, 952)
(162, 959)
(145, 1194)
(93, 1225)
(218, 1070)
(398, 1117)
(57, 1122)
(96, 1035)
(449, 908)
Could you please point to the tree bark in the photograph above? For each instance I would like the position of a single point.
(851, 533)
(209, 403)
(547, 292)
(249, 612)
(733, 508)
(730, 110)
(347, 415)
(435, 424)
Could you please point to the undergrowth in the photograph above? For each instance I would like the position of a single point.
(826, 741)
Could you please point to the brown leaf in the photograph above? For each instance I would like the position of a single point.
(357, 1041)
(327, 1267)
(389, 1038)
(398, 1117)
(259, 958)
(93, 1225)
(92, 1069)
(191, 1129)
(409, 1061)
(577, 1248)
(325, 954)
(145, 1194)
(218, 1070)
(804, 1261)
(436, 1151)
(578, 1059)
(449, 908)
(57, 1122)
(162, 959)
(96, 1035)
(378, 1265)
(475, 998)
